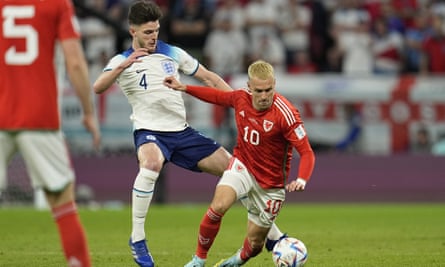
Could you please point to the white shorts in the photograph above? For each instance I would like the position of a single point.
(263, 205)
(45, 155)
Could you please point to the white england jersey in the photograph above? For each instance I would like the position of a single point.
(155, 107)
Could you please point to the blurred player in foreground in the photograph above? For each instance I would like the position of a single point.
(161, 132)
(269, 127)
(29, 107)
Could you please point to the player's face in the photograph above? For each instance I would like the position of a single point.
(145, 35)
(262, 92)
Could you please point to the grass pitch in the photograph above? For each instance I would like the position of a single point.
(343, 235)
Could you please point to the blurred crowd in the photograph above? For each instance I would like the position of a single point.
(351, 37)
(358, 37)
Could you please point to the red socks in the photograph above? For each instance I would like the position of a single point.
(208, 230)
(247, 251)
(72, 235)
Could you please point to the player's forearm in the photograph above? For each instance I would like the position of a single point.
(212, 79)
(207, 94)
(307, 160)
(82, 86)
(106, 80)
(217, 82)
(77, 70)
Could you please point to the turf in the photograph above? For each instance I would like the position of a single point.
(346, 235)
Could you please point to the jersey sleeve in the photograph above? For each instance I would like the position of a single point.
(297, 135)
(187, 64)
(211, 95)
(68, 26)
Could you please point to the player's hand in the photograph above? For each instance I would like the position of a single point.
(172, 83)
(90, 123)
(296, 185)
(134, 57)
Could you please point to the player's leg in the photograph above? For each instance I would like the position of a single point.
(49, 167)
(263, 206)
(216, 163)
(273, 237)
(252, 246)
(232, 185)
(150, 159)
(223, 199)
(7, 150)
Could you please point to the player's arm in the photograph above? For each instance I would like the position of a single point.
(108, 77)
(211, 79)
(307, 160)
(207, 94)
(77, 69)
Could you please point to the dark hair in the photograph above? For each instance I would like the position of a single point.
(143, 11)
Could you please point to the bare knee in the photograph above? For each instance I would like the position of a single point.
(223, 199)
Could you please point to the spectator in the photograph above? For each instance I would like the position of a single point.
(301, 63)
(97, 36)
(422, 141)
(262, 30)
(413, 39)
(227, 28)
(294, 22)
(437, 7)
(189, 26)
(387, 48)
(261, 19)
(319, 39)
(351, 34)
(333, 62)
(433, 52)
(406, 10)
(271, 49)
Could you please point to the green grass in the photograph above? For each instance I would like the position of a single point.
(343, 235)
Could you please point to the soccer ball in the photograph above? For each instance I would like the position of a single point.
(289, 252)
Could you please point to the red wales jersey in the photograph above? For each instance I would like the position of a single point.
(265, 138)
(28, 89)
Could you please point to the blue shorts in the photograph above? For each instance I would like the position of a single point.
(184, 148)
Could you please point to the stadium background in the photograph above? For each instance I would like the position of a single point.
(380, 166)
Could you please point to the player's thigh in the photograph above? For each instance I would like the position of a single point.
(7, 150)
(150, 156)
(216, 163)
(238, 178)
(47, 160)
(265, 205)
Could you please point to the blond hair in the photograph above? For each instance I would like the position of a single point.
(260, 69)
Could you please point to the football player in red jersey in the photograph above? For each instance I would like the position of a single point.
(29, 107)
(269, 127)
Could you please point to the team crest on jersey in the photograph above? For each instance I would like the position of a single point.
(267, 125)
(168, 67)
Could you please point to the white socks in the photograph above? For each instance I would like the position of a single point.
(274, 232)
(142, 194)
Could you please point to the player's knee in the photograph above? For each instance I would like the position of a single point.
(219, 207)
(147, 175)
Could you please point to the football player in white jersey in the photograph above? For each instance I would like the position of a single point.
(161, 132)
